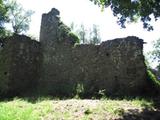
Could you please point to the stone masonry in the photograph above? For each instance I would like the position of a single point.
(115, 66)
(20, 59)
(57, 66)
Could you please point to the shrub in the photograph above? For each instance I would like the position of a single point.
(153, 80)
(74, 37)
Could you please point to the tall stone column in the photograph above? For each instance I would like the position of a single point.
(49, 26)
(56, 44)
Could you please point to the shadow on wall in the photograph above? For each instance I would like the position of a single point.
(20, 59)
(56, 66)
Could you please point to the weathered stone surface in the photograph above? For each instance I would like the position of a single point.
(20, 65)
(56, 66)
(115, 66)
(57, 42)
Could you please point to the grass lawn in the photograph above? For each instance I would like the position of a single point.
(77, 109)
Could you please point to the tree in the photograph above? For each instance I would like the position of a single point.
(131, 10)
(19, 18)
(155, 54)
(82, 32)
(95, 35)
(3, 17)
(155, 57)
(87, 36)
(72, 26)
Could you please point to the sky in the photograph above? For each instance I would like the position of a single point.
(84, 11)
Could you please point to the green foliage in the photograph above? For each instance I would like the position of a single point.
(118, 111)
(47, 109)
(132, 10)
(65, 32)
(102, 94)
(153, 78)
(140, 102)
(155, 54)
(13, 13)
(3, 13)
(95, 35)
(2, 32)
(21, 110)
(79, 90)
(153, 82)
(18, 17)
(3, 17)
(74, 37)
(87, 36)
(82, 34)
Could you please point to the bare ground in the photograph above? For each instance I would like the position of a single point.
(101, 110)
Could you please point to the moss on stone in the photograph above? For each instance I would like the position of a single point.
(74, 37)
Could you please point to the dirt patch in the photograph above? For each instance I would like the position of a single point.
(101, 110)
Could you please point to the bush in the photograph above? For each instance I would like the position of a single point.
(74, 37)
(153, 80)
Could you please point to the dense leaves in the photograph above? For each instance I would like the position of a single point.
(156, 51)
(13, 13)
(19, 18)
(131, 10)
(155, 54)
(95, 35)
(87, 36)
(3, 17)
(3, 13)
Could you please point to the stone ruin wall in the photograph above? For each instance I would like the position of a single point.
(56, 66)
(19, 65)
(116, 66)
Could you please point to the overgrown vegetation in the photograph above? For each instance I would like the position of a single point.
(87, 35)
(154, 83)
(64, 32)
(3, 18)
(21, 109)
(153, 74)
(153, 78)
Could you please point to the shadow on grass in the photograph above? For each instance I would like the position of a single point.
(33, 99)
(146, 113)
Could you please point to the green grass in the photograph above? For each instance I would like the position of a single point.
(72, 109)
(17, 110)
